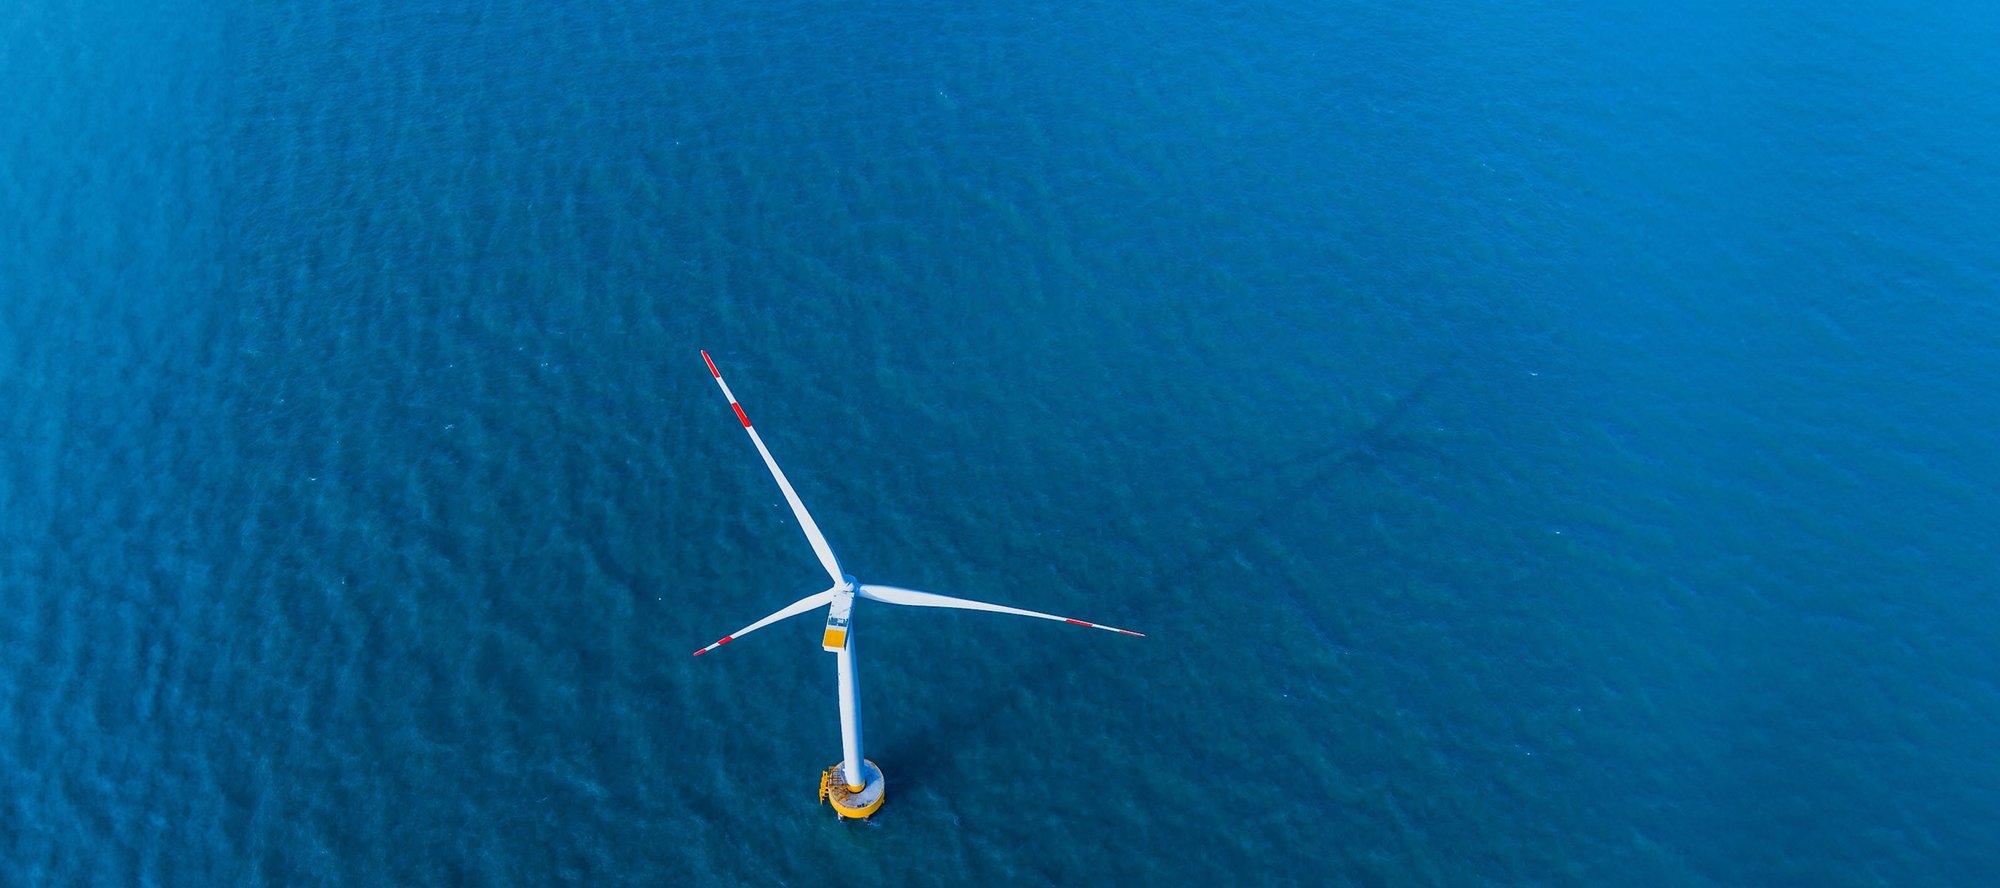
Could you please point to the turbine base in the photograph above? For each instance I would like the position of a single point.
(846, 802)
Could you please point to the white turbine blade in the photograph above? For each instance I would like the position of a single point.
(818, 540)
(913, 598)
(791, 610)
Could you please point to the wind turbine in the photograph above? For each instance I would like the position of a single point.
(855, 785)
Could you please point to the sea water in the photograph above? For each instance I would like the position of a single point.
(1543, 443)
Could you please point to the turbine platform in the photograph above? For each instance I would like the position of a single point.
(848, 803)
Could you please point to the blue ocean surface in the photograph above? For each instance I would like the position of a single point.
(1544, 443)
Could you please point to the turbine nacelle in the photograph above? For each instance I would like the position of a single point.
(838, 613)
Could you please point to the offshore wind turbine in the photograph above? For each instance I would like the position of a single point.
(854, 786)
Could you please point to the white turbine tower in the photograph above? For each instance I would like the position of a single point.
(854, 786)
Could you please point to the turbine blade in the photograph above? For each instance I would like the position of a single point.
(913, 598)
(818, 540)
(791, 610)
